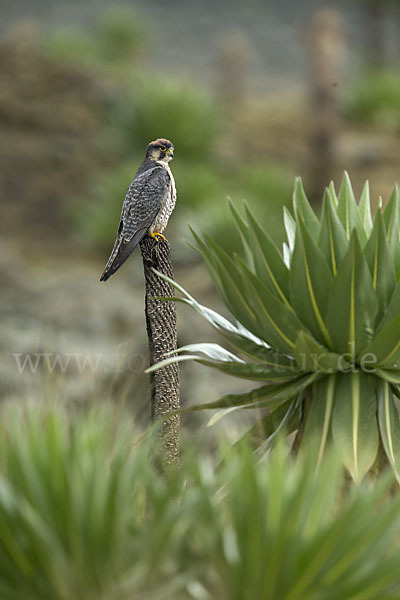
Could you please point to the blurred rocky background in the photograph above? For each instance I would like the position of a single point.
(251, 94)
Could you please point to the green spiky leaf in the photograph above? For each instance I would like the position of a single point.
(348, 213)
(252, 371)
(228, 278)
(317, 430)
(384, 349)
(278, 322)
(273, 394)
(290, 227)
(353, 304)
(303, 211)
(392, 310)
(219, 358)
(381, 264)
(354, 425)
(332, 239)
(389, 425)
(268, 262)
(364, 208)
(237, 335)
(310, 282)
(244, 231)
(391, 217)
(312, 356)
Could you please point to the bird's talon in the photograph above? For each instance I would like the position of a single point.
(157, 235)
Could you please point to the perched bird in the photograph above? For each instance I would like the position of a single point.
(148, 204)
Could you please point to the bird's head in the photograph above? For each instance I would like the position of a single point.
(161, 149)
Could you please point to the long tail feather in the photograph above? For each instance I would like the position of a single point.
(121, 251)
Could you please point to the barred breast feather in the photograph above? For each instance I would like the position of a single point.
(167, 205)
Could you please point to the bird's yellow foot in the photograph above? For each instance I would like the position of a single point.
(156, 236)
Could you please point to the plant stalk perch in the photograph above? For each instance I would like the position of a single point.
(162, 336)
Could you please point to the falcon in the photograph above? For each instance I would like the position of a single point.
(148, 204)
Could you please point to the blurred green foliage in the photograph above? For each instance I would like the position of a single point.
(119, 34)
(66, 498)
(140, 108)
(92, 105)
(266, 188)
(98, 219)
(181, 112)
(199, 183)
(375, 98)
(116, 38)
(84, 515)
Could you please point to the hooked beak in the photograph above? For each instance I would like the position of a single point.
(170, 152)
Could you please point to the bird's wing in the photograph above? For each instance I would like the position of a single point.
(141, 205)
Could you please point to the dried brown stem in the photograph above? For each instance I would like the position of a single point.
(162, 336)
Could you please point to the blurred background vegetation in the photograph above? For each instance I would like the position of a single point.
(251, 94)
(83, 515)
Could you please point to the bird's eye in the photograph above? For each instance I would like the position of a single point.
(162, 148)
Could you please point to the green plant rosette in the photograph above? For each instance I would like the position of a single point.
(318, 324)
